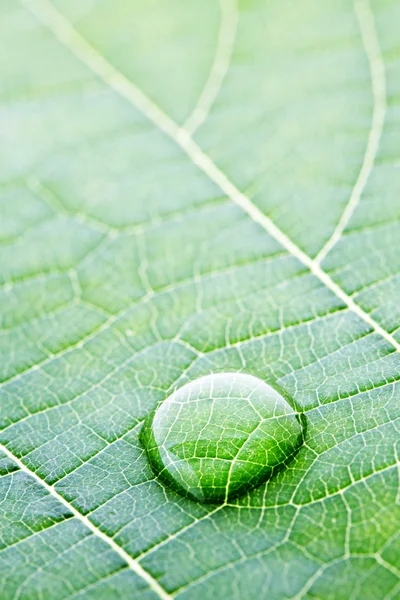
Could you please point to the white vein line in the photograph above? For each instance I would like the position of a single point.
(320, 571)
(133, 564)
(317, 574)
(66, 34)
(387, 565)
(34, 534)
(236, 562)
(372, 49)
(220, 66)
(180, 532)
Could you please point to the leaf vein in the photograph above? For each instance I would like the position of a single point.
(133, 564)
(67, 35)
(372, 49)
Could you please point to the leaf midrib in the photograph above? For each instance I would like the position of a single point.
(80, 47)
(133, 564)
(68, 36)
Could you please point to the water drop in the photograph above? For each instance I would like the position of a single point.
(220, 435)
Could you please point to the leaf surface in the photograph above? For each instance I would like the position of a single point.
(191, 188)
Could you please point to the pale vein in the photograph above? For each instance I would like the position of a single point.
(370, 41)
(133, 564)
(66, 34)
(220, 66)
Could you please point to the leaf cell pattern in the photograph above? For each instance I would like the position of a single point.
(193, 188)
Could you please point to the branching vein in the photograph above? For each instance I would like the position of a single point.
(220, 66)
(67, 35)
(133, 564)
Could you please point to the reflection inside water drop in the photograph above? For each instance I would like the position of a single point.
(220, 435)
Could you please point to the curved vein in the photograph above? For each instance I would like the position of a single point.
(372, 49)
(117, 81)
(220, 66)
(133, 564)
(67, 35)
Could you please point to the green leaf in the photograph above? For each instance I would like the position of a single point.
(220, 435)
(189, 189)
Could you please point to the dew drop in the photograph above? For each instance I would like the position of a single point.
(220, 435)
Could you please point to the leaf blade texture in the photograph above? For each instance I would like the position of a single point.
(191, 189)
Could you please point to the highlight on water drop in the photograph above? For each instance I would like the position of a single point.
(220, 435)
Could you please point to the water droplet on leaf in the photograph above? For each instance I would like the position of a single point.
(220, 435)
